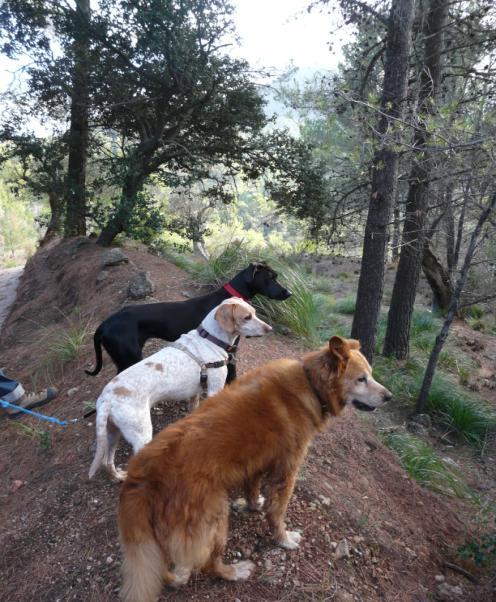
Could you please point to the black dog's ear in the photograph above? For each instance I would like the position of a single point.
(251, 271)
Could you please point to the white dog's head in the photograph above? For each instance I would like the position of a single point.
(236, 316)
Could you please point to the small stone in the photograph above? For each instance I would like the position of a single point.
(342, 550)
(114, 257)
(447, 592)
(72, 391)
(268, 564)
(140, 286)
(325, 500)
(358, 539)
(416, 428)
(440, 578)
(333, 544)
(16, 485)
(103, 275)
(109, 560)
(423, 419)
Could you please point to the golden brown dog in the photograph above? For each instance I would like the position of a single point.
(173, 515)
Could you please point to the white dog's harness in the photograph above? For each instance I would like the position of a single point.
(204, 366)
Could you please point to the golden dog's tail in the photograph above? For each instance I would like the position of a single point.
(144, 567)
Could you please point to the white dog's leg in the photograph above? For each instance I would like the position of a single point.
(113, 437)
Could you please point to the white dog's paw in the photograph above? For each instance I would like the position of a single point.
(291, 541)
(242, 570)
(119, 474)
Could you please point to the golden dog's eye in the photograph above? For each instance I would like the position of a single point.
(362, 379)
(247, 317)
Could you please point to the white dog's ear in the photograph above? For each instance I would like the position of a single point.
(225, 317)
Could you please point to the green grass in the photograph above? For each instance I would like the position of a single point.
(67, 344)
(425, 466)
(451, 407)
(346, 305)
(42, 436)
(469, 417)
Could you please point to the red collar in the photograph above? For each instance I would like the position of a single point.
(233, 292)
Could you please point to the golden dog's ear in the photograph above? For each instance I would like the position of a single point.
(354, 344)
(339, 350)
(225, 317)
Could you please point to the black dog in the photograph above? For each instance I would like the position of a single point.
(124, 333)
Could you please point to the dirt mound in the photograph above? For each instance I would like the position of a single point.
(59, 537)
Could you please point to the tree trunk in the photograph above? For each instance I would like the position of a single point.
(119, 221)
(449, 220)
(75, 223)
(453, 308)
(407, 276)
(395, 243)
(385, 167)
(56, 212)
(439, 280)
(199, 250)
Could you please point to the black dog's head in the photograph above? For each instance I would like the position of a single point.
(260, 279)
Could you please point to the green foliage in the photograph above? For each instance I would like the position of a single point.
(346, 305)
(481, 551)
(451, 408)
(18, 233)
(425, 466)
(41, 435)
(470, 418)
(300, 313)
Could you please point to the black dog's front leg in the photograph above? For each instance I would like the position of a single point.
(231, 369)
(231, 365)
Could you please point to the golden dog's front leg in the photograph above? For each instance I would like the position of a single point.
(277, 502)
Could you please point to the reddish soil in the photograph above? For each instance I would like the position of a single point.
(59, 538)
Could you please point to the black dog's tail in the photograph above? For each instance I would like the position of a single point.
(97, 341)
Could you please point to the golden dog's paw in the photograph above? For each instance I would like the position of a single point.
(180, 576)
(242, 570)
(291, 541)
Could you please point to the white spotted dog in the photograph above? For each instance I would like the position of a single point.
(175, 373)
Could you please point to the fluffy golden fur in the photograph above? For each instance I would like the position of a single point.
(173, 515)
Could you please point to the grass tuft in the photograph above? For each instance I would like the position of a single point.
(425, 466)
(346, 305)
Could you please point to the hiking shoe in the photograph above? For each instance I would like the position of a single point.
(33, 400)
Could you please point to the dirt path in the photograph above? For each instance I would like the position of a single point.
(9, 279)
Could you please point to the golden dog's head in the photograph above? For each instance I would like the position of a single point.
(341, 375)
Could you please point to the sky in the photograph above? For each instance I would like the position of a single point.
(275, 32)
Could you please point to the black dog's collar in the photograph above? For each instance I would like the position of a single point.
(234, 293)
(324, 406)
(210, 337)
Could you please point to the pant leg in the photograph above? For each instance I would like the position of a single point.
(10, 390)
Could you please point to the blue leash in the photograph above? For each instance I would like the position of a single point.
(6, 404)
